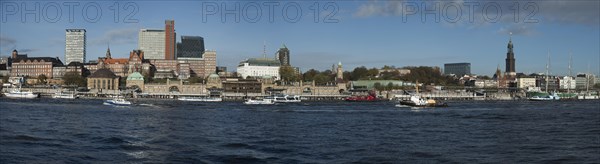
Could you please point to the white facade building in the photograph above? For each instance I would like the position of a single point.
(152, 42)
(568, 83)
(75, 44)
(525, 82)
(259, 67)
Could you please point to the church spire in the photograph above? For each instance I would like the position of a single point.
(108, 56)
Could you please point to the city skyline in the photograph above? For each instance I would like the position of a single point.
(367, 33)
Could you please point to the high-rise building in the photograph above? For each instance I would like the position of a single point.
(510, 59)
(170, 41)
(283, 55)
(152, 42)
(190, 47)
(458, 69)
(75, 45)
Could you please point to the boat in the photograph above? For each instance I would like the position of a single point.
(64, 95)
(264, 101)
(549, 97)
(371, 97)
(201, 99)
(418, 101)
(117, 102)
(17, 93)
(287, 99)
(553, 96)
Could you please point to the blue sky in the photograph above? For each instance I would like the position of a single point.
(369, 33)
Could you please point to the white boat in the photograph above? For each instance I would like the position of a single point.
(265, 101)
(418, 101)
(63, 95)
(117, 102)
(201, 99)
(17, 93)
(545, 98)
(287, 99)
(588, 97)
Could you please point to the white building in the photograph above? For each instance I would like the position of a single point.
(75, 45)
(583, 78)
(259, 67)
(152, 42)
(525, 82)
(568, 82)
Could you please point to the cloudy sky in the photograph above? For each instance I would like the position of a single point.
(321, 33)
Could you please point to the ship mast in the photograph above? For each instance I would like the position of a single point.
(547, 65)
(570, 72)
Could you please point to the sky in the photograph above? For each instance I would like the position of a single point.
(370, 33)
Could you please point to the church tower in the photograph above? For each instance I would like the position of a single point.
(510, 58)
(340, 72)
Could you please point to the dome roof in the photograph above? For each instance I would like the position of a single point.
(135, 76)
(213, 75)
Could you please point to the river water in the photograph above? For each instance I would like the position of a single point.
(169, 131)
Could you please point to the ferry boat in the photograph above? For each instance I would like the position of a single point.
(287, 99)
(418, 101)
(545, 98)
(17, 93)
(201, 99)
(63, 95)
(117, 102)
(265, 101)
(371, 97)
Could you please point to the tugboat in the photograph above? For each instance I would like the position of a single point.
(418, 101)
(371, 97)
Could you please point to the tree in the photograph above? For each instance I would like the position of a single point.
(42, 79)
(288, 73)
(310, 75)
(74, 78)
(5, 79)
(597, 86)
(378, 86)
(359, 73)
(321, 79)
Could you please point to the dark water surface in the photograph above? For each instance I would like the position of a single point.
(47, 130)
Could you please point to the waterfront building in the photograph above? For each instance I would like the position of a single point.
(103, 79)
(283, 55)
(124, 66)
(23, 65)
(458, 69)
(259, 67)
(214, 81)
(370, 84)
(186, 67)
(152, 43)
(190, 47)
(481, 83)
(170, 41)
(568, 82)
(75, 45)
(526, 82)
(58, 72)
(510, 59)
(242, 86)
(582, 78)
(135, 80)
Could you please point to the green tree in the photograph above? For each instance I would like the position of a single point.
(321, 79)
(5, 79)
(359, 73)
(74, 78)
(378, 86)
(42, 79)
(310, 75)
(288, 73)
(597, 86)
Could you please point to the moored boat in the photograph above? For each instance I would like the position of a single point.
(63, 95)
(545, 98)
(201, 99)
(21, 94)
(265, 101)
(117, 102)
(286, 99)
(371, 97)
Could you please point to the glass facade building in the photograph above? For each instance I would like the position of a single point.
(458, 69)
(190, 47)
(152, 42)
